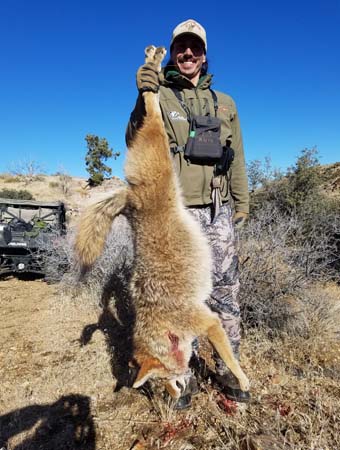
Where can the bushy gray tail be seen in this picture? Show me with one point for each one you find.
(95, 225)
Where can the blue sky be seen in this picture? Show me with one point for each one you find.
(67, 68)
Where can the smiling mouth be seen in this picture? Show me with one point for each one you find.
(187, 63)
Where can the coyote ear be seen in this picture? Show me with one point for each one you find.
(150, 366)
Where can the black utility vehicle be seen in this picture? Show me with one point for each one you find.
(26, 229)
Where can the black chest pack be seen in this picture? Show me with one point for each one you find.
(204, 141)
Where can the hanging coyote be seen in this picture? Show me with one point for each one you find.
(172, 270)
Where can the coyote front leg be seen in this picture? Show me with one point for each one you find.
(153, 55)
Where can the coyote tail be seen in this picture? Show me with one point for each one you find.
(95, 225)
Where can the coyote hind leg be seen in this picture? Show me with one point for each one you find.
(220, 341)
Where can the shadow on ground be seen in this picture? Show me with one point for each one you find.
(116, 322)
(64, 425)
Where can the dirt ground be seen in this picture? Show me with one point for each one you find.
(57, 394)
(47, 400)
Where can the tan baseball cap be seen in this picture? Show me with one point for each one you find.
(190, 27)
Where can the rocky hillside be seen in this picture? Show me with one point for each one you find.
(331, 175)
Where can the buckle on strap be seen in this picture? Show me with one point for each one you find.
(177, 149)
(216, 183)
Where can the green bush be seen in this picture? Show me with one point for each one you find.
(12, 179)
(294, 191)
(21, 194)
(291, 241)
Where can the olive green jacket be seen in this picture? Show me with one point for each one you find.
(195, 180)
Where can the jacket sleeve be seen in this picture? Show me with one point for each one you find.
(136, 119)
(238, 177)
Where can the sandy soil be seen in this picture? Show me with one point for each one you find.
(47, 399)
(57, 394)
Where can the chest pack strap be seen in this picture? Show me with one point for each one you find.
(182, 103)
(185, 107)
(216, 182)
(181, 148)
(214, 96)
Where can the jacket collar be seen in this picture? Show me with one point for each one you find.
(175, 79)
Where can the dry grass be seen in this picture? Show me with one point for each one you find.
(59, 394)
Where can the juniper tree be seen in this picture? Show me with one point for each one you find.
(98, 151)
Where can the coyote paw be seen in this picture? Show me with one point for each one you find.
(155, 55)
(244, 383)
(176, 386)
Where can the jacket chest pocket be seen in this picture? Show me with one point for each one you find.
(226, 117)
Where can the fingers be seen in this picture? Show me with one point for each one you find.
(239, 220)
(147, 78)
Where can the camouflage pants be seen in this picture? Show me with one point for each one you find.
(223, 299)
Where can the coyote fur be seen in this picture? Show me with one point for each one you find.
(172, 270)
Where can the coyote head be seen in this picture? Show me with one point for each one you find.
(169, 367)
(152, 368)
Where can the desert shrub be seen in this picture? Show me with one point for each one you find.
(56, 252)
(303, 183)
(21, 194)
(317, 314)
(8, 178)
(117, 260)
(53, 184)
(320, 232)
(267, 272)
(64, 182)
(27, 170)
(61, 264)
(282, 254)
(262, 173)
(291, 192)
(300, 194)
